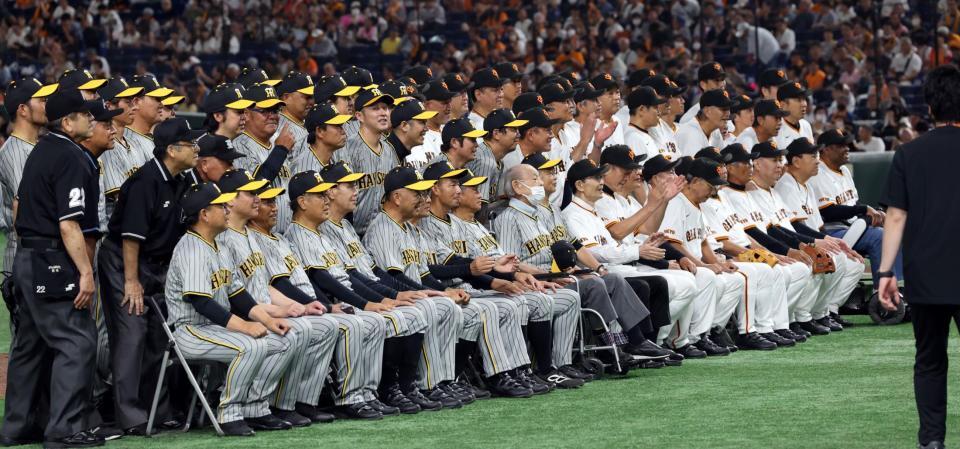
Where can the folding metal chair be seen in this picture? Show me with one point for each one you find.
(198, 392)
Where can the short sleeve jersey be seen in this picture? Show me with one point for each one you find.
(800, 200)
(197, 269)
(364, 158)
(245, 258)
(314, 252)
(834, 187)
(281, 260)
(683, 223)
(395, 246)
(744, 209)
(723, 223)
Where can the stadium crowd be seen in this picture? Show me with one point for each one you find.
(408, 197)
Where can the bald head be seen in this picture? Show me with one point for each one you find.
(523, 173)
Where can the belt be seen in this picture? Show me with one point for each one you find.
(40, 243)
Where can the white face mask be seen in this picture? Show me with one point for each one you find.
(536, 195)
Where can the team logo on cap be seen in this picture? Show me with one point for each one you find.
(592, 162)
(744, 98)
(346, 167)
(495, 74)
(430, 72)
(419, 176)
(264, 73)
(797, 85)
(34, 80)
(444, 84)
(317, 176)
(717, 67)
(237, 91)
(607, 77)
(457, 76)
(772, 143)
(376, 91)
(270, 92)
(630, 154)
(246, 173)
(781, 74)
(777, 102)
(719, 172)
(539, 99)
(515, 68)
(309, 80)
(839, 132)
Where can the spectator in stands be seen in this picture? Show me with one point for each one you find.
(867, 142)
(432, 12)
(786, 38)
(906, 64)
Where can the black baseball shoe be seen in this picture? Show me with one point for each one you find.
(932, 445)
(503, 385)
(292, 417)
(395, 398)
(455, 390)
(361, 410)
(559, 380)
(106, 432)
(753, 341)
(651, 364)
(647, 350)
(415, 396)
(795, 328)
(712, 349)
(313, 413)
(575, 373)
(238, 428)
(787, 333)
(386, 410)
(79, 439)
(477, 391)
(781, 341)
(829, 324)
(691, 352)
(840, 320)
(814, 328)
(268, 422)
(721, 337)
(531, 382)
(438, 394)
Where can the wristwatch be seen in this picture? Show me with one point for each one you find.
(885, 274)
(600, 269)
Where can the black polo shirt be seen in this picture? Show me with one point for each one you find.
(60, 182)
(148, 210)
(923, 182)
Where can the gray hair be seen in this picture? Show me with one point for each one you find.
(514, 173)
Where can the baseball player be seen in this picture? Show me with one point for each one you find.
(770, 81)
(361, 79)
(800, 199)
(741, 114)
(609, 103)
(325, 135)
(501, 126)
(215, 319)
(333, 89)
(147, 115)
(81, 80)
(265, 156)
(551, 314)
(582, 134)
(710, 76)
(436, 97)
(635, 79)
(794, 100)
(120, 164)
(438, 340)
(224, 107)
(168, 106)
(565, 146)
(460, 103)
(408, 126)
(400, 248)
(405, 322)
(397, 89)
(704, 131)
(248, 77)
(486, 94)
(644, 105)
(767, 119)
(512, 84)
(838, 200)
(535, 137)
(665, 134)
(296, 90)
(368, 151)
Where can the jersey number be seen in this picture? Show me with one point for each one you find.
(41, 289)
(76, 198)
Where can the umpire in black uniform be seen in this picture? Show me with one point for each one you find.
(133, 261)
(53, 271)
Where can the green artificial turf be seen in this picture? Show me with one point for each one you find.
(849, 390)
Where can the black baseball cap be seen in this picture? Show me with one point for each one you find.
(396, 89)
(64, 102)
(791, 90)
(735, 152)
(683, 165)
(707, 170)
(340, 172)
(173, 130)
(605, 82)
(332, 86)
(220, 147)
(509, 71)
(172, 100)
(564, 256)
(637, 77)
(554, 92)
(584, 91)
(264, 96)
(436, 90)
(663, 85)
(199, 196)
(741, 102)
(295, 82)
(226, 96)
(443, 170)
(713, 153)
(769, 107)
(527, 100)
(767, 149)
(583, 169)
(711, 71)
(621, 156)
(456, 82)
(116, 88)
(656, 165)
(323, 113)
(555, 79)
(307, 182)
(22, 90)
(102, 114)
(370, 97)
(835, 137)
(570, 75)
(240, 181)
(487, 77)
(458, 129)
(644, 96)
(151, 87)
(405, 178)
(772, 77)
(802, 145)
(540, 162)
(536, 118)
(249, 77)
(421, 74)
(357, 76)
(501, 118)
(411, 109)
(80, 80)
(717, 98)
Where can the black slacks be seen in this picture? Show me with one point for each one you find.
(931, 327)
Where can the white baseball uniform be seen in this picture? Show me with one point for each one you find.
(691, 138)
(788, 133)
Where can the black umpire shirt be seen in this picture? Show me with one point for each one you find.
(923, 182)
(61, 181)
(148, 210)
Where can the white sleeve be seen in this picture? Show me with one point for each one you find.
(673, 225)
(605, 251)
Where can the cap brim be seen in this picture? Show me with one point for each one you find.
(271, 193)
(338, 119)
(352, 177)
(224, 198)
(172, 100)
(379, 98)
(129, 92)
(475, 133)
(425, 115)
(159, 92)
(320, 188)
(549, 164)
(92, 84)
(306, 90)
(588, 95)
(269, 103)
(271, 83)
(108, 115)
(453, 173)
(347, 91)
(253, 186)
(516, 124)
(717, 181)
(420, 186)
(240, 104)
(45, 91)
(474, 181)
(398, 100)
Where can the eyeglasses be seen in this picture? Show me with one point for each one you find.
(266, 111)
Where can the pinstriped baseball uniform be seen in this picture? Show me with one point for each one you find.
(359, 349)
(307, 160)
(118, 164)
(299, 135)
(352, 127)
(363, 158)
(313, 338)
(256, 152)
(396, 247)
(197, 269)
(13, 156)
(141, 145)
(486, 164)
(439, 339)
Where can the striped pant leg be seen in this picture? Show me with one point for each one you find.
(539, 305)
(243, 354)
(352, 364)
(509, 311)
(395, 325)
(304, 379)
(733, 293)
(493, 353)
(376, 329)
(438, 354)
(103, 379)
(566, 315)
(281, 350)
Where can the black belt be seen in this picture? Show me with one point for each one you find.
(40, 243)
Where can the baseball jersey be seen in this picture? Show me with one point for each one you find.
(256, 153)
(522, 231)
(616, 138)
(395, 246)
(281, 260)
(13, 156)
(723, 223)
(314, 251)
(196, 268)
(773, 207)
(800, 201)
(623, 114)
(351, 127)
(299, 133)
(119, 164)
(475, 119)
(641, 142)
(486, 164)
(747, 138)
(563, 150)
(585, 225)
(308, 160)
(834, 187)
(428, 151)
(362, 157)
(745, 209)
(345, 241)
(691, 138)
(683, 223)
(788, 133)
(691, 113)
(665, 135)
(245, 258)
(140, 144)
